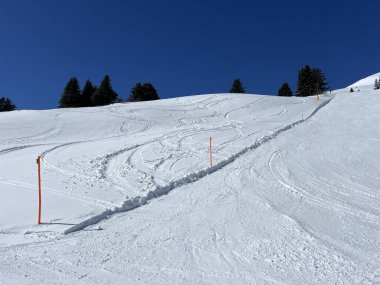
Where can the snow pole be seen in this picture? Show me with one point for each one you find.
(210, 151)
(39, 188)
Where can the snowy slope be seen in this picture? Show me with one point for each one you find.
(367, 82)
(292, 196)
(96, 159)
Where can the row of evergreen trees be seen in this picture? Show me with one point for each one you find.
(73, 97)
(91, 95)
(237, 87)
(311, 81)
(6, 105)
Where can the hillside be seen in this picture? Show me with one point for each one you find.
(292, 195)
(367, 83)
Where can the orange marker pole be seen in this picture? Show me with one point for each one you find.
(39, 188)
(210, 151)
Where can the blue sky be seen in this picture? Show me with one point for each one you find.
(182, 47)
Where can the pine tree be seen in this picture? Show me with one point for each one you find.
(311, 81)
(285, 90)
(351, 90)
(305, 82)
(104, 95)
(143, 92)
(319, 81)
(6, 105)
(71, 94)
(377, 84)
(150, 93)
(87, 92)
(137, 93)
(237, 87)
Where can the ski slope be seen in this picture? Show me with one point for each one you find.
(129, 196)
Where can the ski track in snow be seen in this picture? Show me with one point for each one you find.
(152, 188)
(159, 191)
(173, 140)
(272, 210)
(112, 166)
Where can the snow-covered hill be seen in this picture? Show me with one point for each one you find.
(367, 82)
(292, 195)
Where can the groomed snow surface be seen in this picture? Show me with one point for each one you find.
(129, 196)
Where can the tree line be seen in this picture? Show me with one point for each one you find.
(91, 95)
(311, 81)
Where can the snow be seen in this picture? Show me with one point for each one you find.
(366, 82)
(129, 196)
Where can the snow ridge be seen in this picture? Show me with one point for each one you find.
(159, 191)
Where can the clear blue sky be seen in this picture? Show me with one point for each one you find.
(182, 47)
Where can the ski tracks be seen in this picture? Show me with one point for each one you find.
(159, 191)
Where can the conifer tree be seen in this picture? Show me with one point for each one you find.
(143, 92)
(71, 94)
(351, 90)
(311, 81)
(237, 87)
(377, 84)
(305, 82)
(6, 105)
(285, 90)
(137, 93)
(150, 93)
(87, 92)
(319, 81)
(104, 95)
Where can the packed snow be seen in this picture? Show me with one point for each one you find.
(130, 197)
